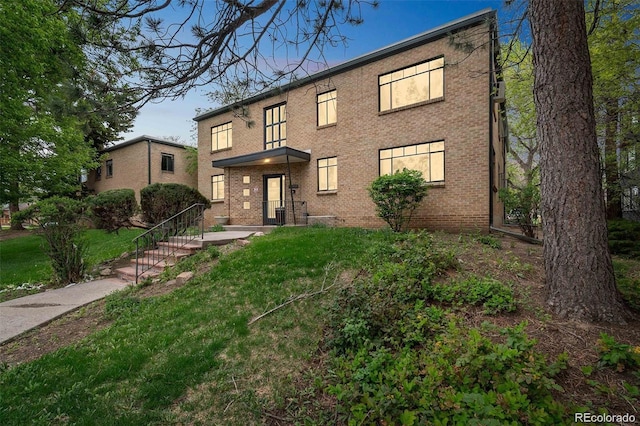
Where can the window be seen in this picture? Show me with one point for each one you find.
(109, 168)
(425, 157)
(275, 126)
(167, 162)
(217, 187)
(327, 108)
(221, 137)
(412, 85)
(99, 173)
(328, 174)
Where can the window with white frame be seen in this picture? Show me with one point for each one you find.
(221, 136)
(328, 174)
(217, 187)
(428, 158)
(412, 85)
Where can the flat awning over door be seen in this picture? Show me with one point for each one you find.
(281, 155)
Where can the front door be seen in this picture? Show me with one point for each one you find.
(273, 212)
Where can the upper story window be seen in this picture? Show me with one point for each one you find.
(221, 136)
(425, 157)
(328, 174)
(327, 108)
(275, 126)
(167, 162)
(109, 165)
(412, 85)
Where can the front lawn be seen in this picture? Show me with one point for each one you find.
(359, 327)
(23, 261)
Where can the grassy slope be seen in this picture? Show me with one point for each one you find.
(146, 367)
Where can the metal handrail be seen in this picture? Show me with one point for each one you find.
(176, 228)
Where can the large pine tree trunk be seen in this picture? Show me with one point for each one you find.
(579, 272)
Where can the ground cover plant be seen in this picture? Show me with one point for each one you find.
(26, 268)
(329, 326)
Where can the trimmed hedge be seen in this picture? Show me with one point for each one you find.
(160, 201)
(113, 209)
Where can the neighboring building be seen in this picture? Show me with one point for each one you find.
(139, 162)
(307, 151)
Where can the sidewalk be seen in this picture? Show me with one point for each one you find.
(25, 313)
(20, 315)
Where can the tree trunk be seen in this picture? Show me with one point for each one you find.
(579, 273)
(612, 177)
(14, 207)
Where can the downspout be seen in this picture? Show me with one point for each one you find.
(491, 118)
(293, 204)
(148, 162)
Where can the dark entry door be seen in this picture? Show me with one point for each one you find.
(273, 205)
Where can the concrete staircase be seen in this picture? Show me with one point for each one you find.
(166, 255)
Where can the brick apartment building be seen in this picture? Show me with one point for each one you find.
(139, 162)
(307, 151)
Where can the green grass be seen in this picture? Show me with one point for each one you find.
(22, 259)
(142, 368)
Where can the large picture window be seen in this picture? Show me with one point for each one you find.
(327, 108)
(425, 157)
(221, 137)
(275, 126)
(217, 187)
(328, 174)
(412, 85)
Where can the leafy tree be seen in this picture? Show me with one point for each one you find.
(614, 46)
(40, 152)
(58, 222)
(397, 196)
(579, 272)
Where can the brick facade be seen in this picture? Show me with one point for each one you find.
(132, 160)
(466, 120)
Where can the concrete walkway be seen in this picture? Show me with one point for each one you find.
(20, 315)
(25, 313)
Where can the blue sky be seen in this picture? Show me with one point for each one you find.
(391, 21)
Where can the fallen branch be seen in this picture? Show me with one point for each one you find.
(302, 296)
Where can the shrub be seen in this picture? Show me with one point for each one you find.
(397, 196)
(112, 210)
(160, 201)
(523, 204)
(58, 218)
(624, 237)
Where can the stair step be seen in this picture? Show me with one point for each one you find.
(167, 252)
(128, 273)
(153, 262)
(191, 248)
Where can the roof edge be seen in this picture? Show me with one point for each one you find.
(402, 45)
(144, 138)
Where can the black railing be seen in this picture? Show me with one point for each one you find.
(284, 212)
(175, 232)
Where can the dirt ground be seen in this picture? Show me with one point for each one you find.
(518, 262)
